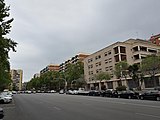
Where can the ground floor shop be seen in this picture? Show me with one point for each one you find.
(148, 82)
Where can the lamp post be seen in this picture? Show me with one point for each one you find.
(65, 84)
(72, 82)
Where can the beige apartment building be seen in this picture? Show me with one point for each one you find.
(132, 51)
(17, 77)
(77, 58)
(50, 67)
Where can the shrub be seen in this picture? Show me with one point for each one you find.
(121, 88)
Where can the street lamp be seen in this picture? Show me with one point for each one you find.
(72, 82)
(65, 85)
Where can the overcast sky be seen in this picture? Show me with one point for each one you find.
(52, 31)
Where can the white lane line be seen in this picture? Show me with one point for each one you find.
(148, 115)
(133, 104)
(57, 108)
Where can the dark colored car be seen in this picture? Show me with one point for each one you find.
(150, 95)
(94, 93)
(1, 113)
(109, 93)
(128, 94)
(157, 88)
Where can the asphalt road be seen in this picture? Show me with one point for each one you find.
(68, 107)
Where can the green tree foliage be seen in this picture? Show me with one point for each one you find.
(151, 66)
(56, 80)
(103, 76)
(74, 71)
(121, 69)
(47, 81)
(6, 44)
(133, 71)
(121, 88)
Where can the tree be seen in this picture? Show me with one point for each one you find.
(133, 71)
(6, 44)
(74, 71)
(151, 66)
(121, 70)
(80, 82)
(103, 76)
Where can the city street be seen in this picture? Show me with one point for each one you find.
(72, 107)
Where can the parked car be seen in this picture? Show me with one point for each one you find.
(157, 88)
(1, 113)
(150, 95)
(61, 92)
(5, 99)
(70, 92)
(14, 92)
(83, 92)
(128, 94)
(53, 91)
(8, 94)
(94, 93)
(109, 93)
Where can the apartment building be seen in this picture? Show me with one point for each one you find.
(37, 75)
(73, 60)
(155, 39)
(132, 51)
(51, 67)
(16, 77)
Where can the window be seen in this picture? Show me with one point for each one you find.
(106, 61)
(105, 54)
(122, 49)
(116, 50)
(97, 71)
(123, 57)
(90, 72)
(110, 60)
(136, 57)
(106, 68)
(90, 66)
(90, 60)
(135, 49)
(143, 48)
(110, 67)
(152, 51)
(109, 52)
(98, 57)
(116, 58)
(98, 64)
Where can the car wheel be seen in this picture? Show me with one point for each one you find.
(129, 97)
(2, 101)
(141, 97)
(158, 98)
(119, 96)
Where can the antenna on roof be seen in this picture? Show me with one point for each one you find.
(137, 34)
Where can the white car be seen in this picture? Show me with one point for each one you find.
(53, 91)
(61, 92)
(75, 92)
(5, 98)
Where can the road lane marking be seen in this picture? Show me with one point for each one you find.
(133, 104)
(148, 115)
(57, 108)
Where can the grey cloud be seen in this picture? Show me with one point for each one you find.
(52, 31)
